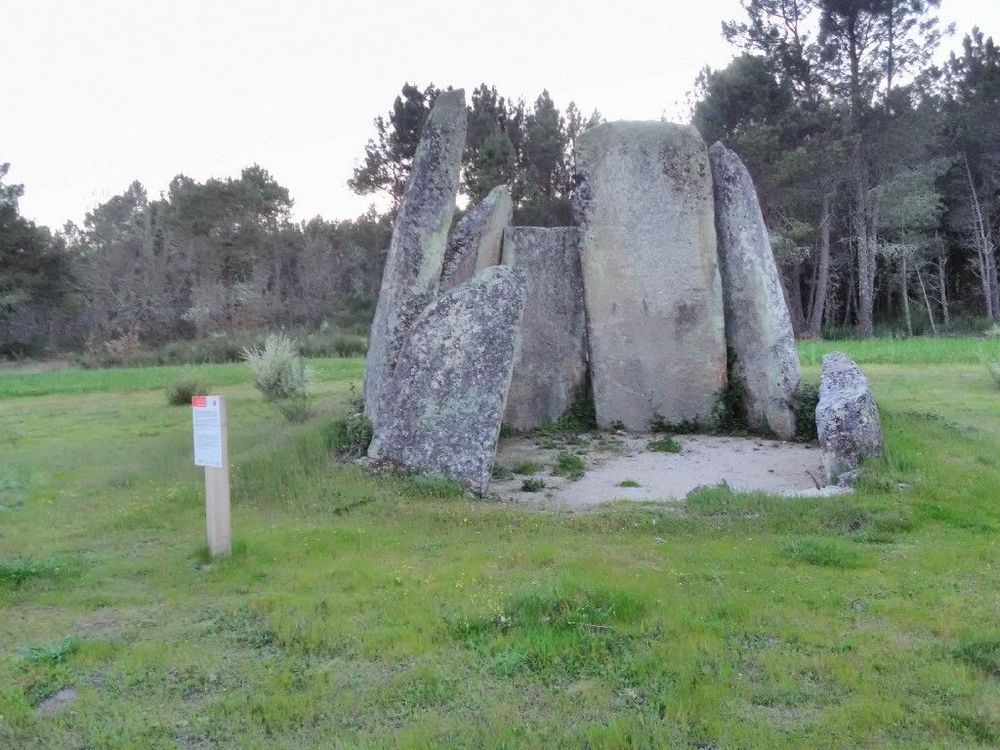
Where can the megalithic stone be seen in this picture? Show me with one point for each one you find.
(550, 365)
(413, 265)
(847, 418)
(651, 276)
(758, 328)
(446, 403)
(475, 243)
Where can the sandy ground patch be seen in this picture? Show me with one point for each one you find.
(745, 464)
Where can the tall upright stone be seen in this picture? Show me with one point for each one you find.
(413, 265)
(847, 419)
(758, 328)
(475, 244)
(550, 364)
(651, 276)
(446, 403)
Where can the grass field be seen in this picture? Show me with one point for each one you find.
(383, 612)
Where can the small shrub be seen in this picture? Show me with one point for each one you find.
(664, 445)
(569, 465)
(351, 436)
(527, 467)
(629, 483)
(804, 402)
(533, 484)
(180, 393)
(827, 553)
(279, 372)
(983, 653)
(51, 652)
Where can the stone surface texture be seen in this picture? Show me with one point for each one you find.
(476, 242)
(413, 265)
(550, 364)
(651, 277)
(444, 409)
(759, 334)
(847, 418)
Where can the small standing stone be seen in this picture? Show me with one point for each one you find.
(446, 403)
(550, 365)
(413, 266)
(758, 327)
(475, 244)
(847, 418)
(651, 274)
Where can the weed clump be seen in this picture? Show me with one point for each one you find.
(664, 445)
(527, 467)
(14, 573)
(569, 465)
(51, 652)
(827, 553)
(351, 436)
(982, 653)
(629, 483)
(181, 392)
(532, 484)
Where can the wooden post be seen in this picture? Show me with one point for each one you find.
(212, 452)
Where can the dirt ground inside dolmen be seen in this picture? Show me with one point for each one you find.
(625, 466)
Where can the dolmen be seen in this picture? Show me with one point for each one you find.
(664, 294)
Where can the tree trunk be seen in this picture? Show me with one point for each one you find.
(793, 295)
(987, 260)
(866, 261)
(942, 261)
(823, 269)
(906, 297)
(927, 300)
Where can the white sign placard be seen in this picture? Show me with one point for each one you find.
(207, 420)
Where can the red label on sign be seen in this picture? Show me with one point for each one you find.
(199, 401)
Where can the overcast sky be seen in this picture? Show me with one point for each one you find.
(96, 94)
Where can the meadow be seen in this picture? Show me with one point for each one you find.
(369, 612)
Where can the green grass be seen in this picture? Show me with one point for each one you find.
(126, 379)
(377, 611)
(910, 351)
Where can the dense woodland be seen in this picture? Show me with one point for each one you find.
(878, 174)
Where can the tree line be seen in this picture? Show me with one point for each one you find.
(215, 257)
(878, 171)
(878, 174)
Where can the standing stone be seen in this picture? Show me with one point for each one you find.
(475, 243)
(550, 364)
(444, 409)
(651, 275)
(847, 418)
(413, 266)
(758, 327)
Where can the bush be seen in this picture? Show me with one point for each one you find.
(280, 374)
(180, 393)
(533, 484)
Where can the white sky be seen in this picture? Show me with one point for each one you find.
(97, 93)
